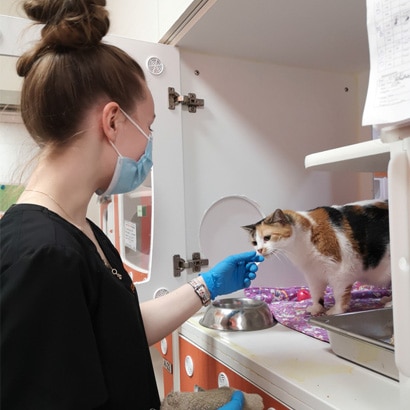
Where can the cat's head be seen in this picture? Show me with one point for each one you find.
(271, 233)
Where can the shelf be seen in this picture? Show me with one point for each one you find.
(368, 156)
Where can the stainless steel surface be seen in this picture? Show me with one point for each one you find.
(238, 314)
(363, 338)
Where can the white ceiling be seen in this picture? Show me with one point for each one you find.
(328, 35)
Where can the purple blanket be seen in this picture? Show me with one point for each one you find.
(288, 305)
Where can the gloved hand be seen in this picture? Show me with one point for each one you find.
(233, 273)
(236, 403)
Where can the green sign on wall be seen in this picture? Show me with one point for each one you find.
(9, 195)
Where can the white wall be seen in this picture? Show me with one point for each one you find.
(145, 20)
(129, 18)
(134, 18)
(16, 148)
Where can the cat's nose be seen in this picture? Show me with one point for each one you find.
(260, 250)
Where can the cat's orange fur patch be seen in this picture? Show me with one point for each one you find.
(349, 232)
(297, 217)
(347, 295)
(323, 235)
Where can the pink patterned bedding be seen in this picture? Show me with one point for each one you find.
(288, 305)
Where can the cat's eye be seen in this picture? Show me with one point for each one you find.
(254, 243)
(266, 238)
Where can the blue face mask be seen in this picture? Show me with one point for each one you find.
(129, 173)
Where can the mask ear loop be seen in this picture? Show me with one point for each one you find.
(115, 148)
(135, 124)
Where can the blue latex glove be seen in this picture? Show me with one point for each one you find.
(236, 403)
(233, 273)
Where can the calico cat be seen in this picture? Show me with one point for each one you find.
(331, 245)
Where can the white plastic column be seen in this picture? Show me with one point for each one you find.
(399, 214)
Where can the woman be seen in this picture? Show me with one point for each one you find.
(73, 335)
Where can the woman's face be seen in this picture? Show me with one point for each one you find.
(131, 142)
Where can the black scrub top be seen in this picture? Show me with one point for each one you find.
(72, 335)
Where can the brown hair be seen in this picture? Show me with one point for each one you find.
(70, 68)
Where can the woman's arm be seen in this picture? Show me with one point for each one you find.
(163, 315)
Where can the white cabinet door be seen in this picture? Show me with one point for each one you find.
(162, 69)
(168, 232)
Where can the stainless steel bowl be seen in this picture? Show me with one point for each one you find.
(238, 314)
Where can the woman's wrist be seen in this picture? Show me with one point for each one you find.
(201, 290)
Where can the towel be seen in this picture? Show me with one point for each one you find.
(208, 400)
(290, 310)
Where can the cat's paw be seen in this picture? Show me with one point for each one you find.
(315, 309)
(335, 310)
(387, 301)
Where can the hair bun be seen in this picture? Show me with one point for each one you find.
(69, 23)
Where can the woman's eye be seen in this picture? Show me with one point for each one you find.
(266, 238)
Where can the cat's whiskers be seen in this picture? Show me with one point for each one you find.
(279, 254)
(282, 254)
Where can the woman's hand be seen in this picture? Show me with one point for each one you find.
(233, 273)
(236, 403)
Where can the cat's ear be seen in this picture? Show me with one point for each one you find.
(249, 228)
(277, 217)
(252, 228)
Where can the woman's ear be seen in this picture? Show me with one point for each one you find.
(110, 120)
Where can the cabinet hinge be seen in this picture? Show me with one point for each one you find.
(195, 264)
(189, 100)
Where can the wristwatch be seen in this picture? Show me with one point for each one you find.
(201, 290)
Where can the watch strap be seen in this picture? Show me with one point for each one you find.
(201, 290)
